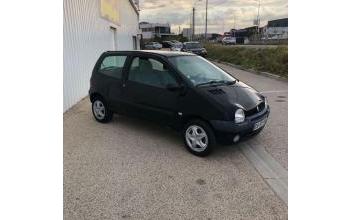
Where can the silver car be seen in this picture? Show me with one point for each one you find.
(229, 40)
(153, 46)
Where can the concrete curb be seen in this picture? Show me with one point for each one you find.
(270, 170)
(270, 75)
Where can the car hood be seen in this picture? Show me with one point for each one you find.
(196, 49)
(229, 96)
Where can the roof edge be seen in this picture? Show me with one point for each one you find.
(134, 7)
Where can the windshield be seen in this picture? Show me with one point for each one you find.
(192, 45)
(200, 71)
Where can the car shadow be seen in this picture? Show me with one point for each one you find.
(166, 134)
(150, 128)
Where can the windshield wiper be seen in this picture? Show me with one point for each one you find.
(212, 82)
(231, 82)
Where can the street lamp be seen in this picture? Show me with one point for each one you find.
(206, 17)
(193, 17)
(258, 19)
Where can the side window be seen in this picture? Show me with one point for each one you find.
(112, 66)
(157, 65)
(151, 72)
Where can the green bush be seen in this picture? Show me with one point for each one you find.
(267, 59)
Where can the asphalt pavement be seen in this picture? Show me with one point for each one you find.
(135, 169)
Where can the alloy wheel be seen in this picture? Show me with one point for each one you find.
(196, 138)
(99, 109)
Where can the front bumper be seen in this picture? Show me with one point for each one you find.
(230, 128)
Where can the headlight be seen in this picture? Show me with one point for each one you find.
(239, 116)
(266, 102)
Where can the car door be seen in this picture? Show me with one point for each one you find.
(145, 89)
(112, 68)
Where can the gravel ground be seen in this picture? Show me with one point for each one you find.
(134, 169)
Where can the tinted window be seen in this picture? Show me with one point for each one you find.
(112, 66)
(150, 72)
(166, 44)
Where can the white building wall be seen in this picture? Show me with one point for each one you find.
(86, 35)
(276, 33)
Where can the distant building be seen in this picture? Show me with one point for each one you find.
(243, 36)
(151, 30)
(210, 36)
(187, 32)
(228, 34)
(213, 36)
(276, 29)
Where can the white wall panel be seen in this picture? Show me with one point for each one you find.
(86, 35)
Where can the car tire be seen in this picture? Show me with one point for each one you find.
(100, 110)
(199, 138)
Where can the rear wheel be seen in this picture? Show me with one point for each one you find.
(199, 138)
(100, 110)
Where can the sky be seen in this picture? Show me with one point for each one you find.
(222, 14)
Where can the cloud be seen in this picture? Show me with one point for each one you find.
(222, 14)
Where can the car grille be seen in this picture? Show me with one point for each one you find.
(255, 110)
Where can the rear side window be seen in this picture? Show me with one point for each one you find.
(112, 66)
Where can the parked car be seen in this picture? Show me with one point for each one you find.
(178, 89)
(194, 47)
(228, 40)
(167, 45)
(153, 46)
(177, 46)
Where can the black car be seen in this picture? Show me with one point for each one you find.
(180, 90)
(194, 47)
(167, 44)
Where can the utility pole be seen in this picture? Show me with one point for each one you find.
(206, 20)
(258, 18)
(190, 28)
(193, 11)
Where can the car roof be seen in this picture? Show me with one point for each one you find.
(152, 52)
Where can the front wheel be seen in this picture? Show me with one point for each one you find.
(101, 111)
(199, 138)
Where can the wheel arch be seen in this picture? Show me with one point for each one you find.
(95, 95)
(189, 118)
